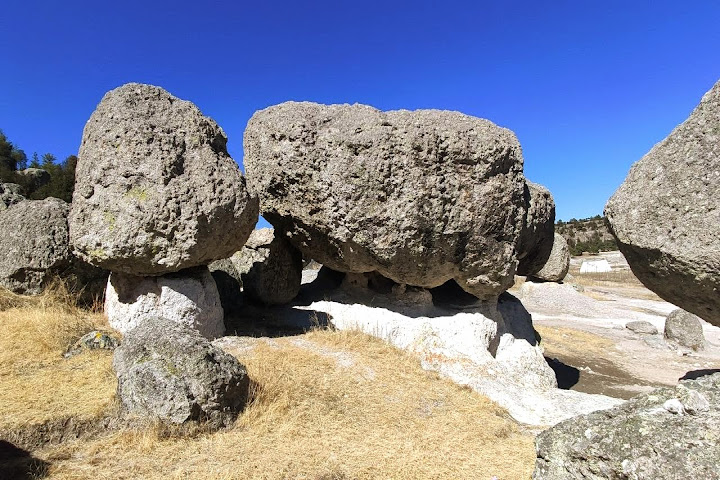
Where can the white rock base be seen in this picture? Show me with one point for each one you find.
(188, 297)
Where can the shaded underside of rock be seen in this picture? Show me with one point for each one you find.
(536, 237)
(156, 190)
(421, 197)
(558, 262)
(665, 215)
(270, 268)
(189, 297)
(669, 433)
(168, 371)
(229, 284)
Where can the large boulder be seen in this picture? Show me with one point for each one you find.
(558, 263)
(665, 215)
(156, 190)
(421, 197)
(684, 329)
(536, 237)
(270, 268)
(189, 298)
(168, 371)
(669, 433)
(10, 194)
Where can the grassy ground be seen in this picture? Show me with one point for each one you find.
(326, 405)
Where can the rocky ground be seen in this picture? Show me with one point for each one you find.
(582, 322)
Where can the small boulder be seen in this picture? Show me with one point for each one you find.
(156, 190)
(642, 327)
(168, 371)
(669, 433)
(189, 298)
(10, 194)
(684, 329)
(34, 178)
(536, 239)
(557, 264)
(270, 267)
(95, 340)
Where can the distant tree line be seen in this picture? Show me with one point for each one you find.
(62, 174)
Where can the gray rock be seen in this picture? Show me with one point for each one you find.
(229, 284)
(665, 215)
(684, 329)
(94, 340)
(156, 190)
(270, 267)
(34, 244)
(35, 178)
(189, 298)
(10, 194)
(168, 371)
(536, 238)
(641, 439)
(642, 327)
(558, 263)
(421, 197)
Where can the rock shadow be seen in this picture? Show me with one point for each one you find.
(19, 464)
(567, 376)
(695, 374)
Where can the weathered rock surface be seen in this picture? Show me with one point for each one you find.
(665, 215)
(189, 298)
(684, 329)
(156, 190)
(33, 245)
(10, 194)
(421, 197)
(95, 340)
(168, 371)
(558, 263)
(670, 433)
(536, 239)
(270, 268)
(642, 327)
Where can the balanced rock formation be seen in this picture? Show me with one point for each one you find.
(665, 215)
(558, 263)
(10, 194)
(189, 297)
(156, 190)
(684, 330)
(421, 197)
(270, 268)
(167, 370)
(667, 434)
(536, 238)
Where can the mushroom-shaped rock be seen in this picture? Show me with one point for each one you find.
(189, 298)
(167, 370)
(665, 215)
(156, 190)
(536, 238)
(421, 197)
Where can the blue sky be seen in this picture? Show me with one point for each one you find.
(588, 86)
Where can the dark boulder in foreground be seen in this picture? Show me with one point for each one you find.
(667, 434)
(421, 197)
(169, 371)
(666, 215)
(156, 190)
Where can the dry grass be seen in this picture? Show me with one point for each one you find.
(37, 385)
(571, 342)
(328, 405)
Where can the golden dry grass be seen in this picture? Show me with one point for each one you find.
(571, 342)
(37, 384)
(333, 406)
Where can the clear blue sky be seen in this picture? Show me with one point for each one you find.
(587, 86)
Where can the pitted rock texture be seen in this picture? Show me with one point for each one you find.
(665, 215)
(189, 297)
(558, 263)
(270, 268)
(684, 329)
(667, 434)
(156, 190)
(10, 194)
(536, 238)
(168, 371)
(421, 197)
